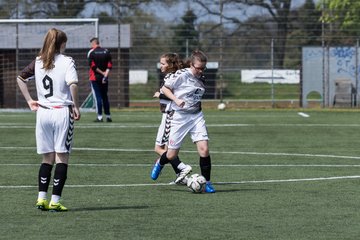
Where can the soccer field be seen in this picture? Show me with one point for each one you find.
(278, 175)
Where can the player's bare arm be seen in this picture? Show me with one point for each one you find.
(75, 98)
(99, 71)
(168, 93)
(25, 91)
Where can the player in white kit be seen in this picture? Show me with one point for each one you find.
(169, 64)
(56, 109)
(185, 89)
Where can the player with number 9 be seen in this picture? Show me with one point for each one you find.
(56, 109)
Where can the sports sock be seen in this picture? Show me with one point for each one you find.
(44, 177)
(59, 178)
(205, 166)
(175, 163)
(55, 198)
(42, 195)
(181, 166)
(163, 159)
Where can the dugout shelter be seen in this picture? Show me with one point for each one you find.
(333, 73)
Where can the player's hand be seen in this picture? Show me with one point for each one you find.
(34, 105)
(76, 113)
(180, 103)
(156, 95)
(104, 80)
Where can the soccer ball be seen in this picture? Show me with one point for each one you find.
(196, 183)
(221, 106)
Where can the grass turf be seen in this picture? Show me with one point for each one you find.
(277, 175)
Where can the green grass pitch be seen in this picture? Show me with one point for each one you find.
(278, 175)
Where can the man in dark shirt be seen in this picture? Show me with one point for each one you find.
(100, 65)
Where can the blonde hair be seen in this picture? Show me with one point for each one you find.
(53, 40)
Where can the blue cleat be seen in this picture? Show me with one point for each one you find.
(209, 187)
(156, 170)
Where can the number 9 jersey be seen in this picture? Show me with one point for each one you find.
(52, 85)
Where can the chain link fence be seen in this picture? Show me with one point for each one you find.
(249, 65)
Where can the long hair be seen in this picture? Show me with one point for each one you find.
(174, 61)
(53, 40)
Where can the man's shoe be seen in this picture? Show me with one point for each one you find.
(183, 174)
(209, 187)
(42, 204)
(108, 119)
(98, 120)
(155, 172)
(57, 207)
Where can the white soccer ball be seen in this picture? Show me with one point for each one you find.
(221, 106)
(196, 183)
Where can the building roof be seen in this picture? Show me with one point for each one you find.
(79, 34)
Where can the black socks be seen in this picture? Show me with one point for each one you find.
(205, 166)
(175, 163)
(59, 178)
(44, 177)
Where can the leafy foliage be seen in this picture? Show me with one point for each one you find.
(344, 12)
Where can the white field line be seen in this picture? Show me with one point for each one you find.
(115, 125)
(215, 183)
(212, 152)
(292, 180)
(214, 165)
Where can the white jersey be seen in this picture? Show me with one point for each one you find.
(53, 85)
(166, 102)
(187, 87)
(54, 118)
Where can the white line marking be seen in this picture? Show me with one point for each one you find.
(292, 180)
(114, 125)
(213, 152)
(303, 114)
(215, 183)
(214, 165)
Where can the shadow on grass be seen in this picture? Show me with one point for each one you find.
(108, 208)
(219, 190)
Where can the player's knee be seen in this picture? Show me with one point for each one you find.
(204, 152)
(159, 149)
(171, 155)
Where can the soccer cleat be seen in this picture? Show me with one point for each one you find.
(108, 119)
(42, 204)
(98, 120)
(155, 172)
(57, 207)
(209, 188)
(183, 174)
(182, 182)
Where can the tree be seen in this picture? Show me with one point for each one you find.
(186, 36)
(52, 8)
(277, 10)
(308, 21)
(68, 8)
(304, 30)
(8, 9)
(345, 12)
